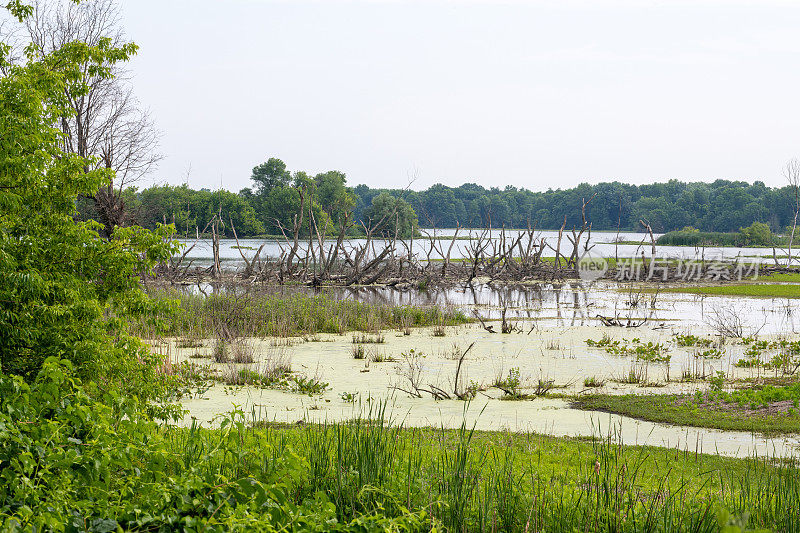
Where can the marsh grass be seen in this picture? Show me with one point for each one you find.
(242, 351)
(358, 351)
(742, 411)
(636, 375)
(382, 357)
(468, 480)
(189, 342)
(273, 373)
(233, 314)
(369, 338)
(753, 290)
(593, 382)
(221, 351)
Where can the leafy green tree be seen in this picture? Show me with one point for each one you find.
(332, 195)
(63, 288)
(271, 174)
(388, 213)
(757, 234)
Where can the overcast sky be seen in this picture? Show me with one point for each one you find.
(534, 94)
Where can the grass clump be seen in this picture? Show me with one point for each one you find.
(650, 351)
(511, 385)
(382, 357)
(367, 338)
(359, 352)
(593, 382)
(278, 376)
(690, 340)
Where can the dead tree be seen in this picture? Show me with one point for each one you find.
(476, 250)
(575, 238)
(297, 226)
(792, 174)
(107, 122)
(249, 264)
(650, 233)
(216, 267)
(557, 249)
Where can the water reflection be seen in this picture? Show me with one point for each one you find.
(570, 303)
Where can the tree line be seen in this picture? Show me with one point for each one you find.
(722, 205)
(273, 201)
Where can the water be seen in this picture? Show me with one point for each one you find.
(553, 322)
(576, 303)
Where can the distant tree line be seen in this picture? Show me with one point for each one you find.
(723, 205)
(270, 206)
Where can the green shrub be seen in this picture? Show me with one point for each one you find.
(69, 462)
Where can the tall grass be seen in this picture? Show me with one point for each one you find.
(232, 315)
(700, 238)
(471, 481)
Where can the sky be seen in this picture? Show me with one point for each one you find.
(534, 94)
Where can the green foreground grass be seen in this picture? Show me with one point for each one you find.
(497, 481)
(70, 462)
(749, 410)
(756, 290)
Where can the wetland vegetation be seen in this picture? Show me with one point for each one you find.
(362, 376)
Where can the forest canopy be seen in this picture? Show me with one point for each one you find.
(273, 200)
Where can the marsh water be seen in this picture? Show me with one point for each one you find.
(552, 322)
(541, 305)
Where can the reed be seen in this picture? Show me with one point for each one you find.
(232, 315)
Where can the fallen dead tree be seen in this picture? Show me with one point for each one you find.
(315, 256)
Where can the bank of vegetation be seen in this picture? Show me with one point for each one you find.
(760, 289)
(280, 314)
(755, 235)
(770, 411)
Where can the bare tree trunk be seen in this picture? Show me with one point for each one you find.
(792, 174)
(216, 269)
(652, 239)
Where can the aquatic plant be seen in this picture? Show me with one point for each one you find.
(689, 340)
(592, 382)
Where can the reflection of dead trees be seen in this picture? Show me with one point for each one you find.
(641, 309)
